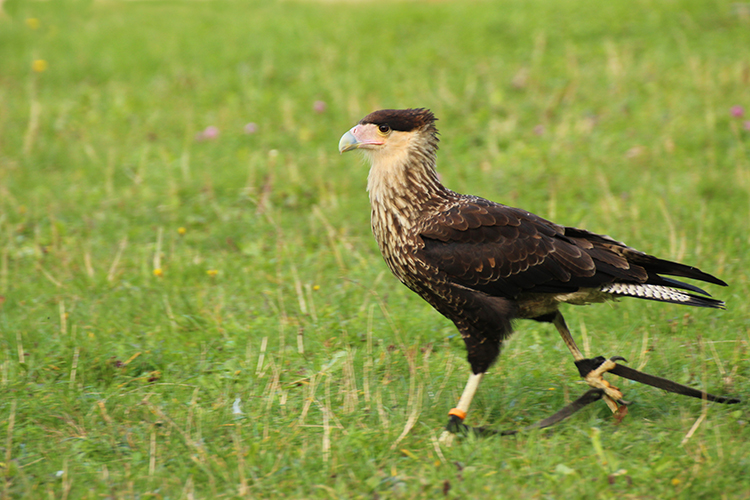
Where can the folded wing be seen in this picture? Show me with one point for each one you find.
(504, 251)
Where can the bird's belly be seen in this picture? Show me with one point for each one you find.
(534, 305)
(583, 296)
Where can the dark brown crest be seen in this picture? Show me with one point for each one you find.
(404, 120)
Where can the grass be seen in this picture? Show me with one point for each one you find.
(184, 318)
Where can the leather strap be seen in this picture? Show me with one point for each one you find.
(455, 425)
(668, 385)
(589, 397)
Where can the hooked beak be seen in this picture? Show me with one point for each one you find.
(360, 137)
(348, 142)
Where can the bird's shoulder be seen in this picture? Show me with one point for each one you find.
(475, 220)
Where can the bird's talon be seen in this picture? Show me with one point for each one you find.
(618, 358)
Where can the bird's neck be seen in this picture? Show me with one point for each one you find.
(405, 182)
(403, 188)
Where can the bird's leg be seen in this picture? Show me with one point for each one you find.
(591, 369)
(559, 323)
(458, 414)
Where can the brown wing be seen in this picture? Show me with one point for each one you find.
(504, 251)
(653, 265)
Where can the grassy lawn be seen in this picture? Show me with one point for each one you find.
(192, 304)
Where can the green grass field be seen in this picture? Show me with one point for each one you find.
(192, 314)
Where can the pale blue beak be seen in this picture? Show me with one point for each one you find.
(348, 142)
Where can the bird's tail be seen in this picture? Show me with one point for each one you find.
(663, 293)
(654, 265)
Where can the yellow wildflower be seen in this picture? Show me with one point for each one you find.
(158, 272)
(212, 272)
(181, 231)
(39, 65)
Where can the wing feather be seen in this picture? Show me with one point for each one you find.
(504, 251)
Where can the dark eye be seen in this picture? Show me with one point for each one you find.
(384, 129)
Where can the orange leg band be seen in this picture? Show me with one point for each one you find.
(458, 413)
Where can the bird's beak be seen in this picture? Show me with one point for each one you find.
(348, 141)
(360, 137)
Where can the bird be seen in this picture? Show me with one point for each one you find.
(484, 265)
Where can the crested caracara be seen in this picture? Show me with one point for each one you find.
(483, 265)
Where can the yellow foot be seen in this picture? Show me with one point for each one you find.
(594, 377)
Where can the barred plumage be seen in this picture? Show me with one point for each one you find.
(654, 292)
(660, 293)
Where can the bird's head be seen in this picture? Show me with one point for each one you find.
(391, 133)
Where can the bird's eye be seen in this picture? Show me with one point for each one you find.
(384, 129)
